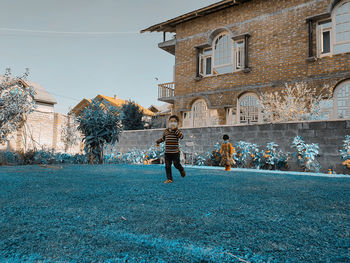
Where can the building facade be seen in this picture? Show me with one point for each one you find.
(228, 53)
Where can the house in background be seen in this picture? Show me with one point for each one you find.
(114, 101)
(44, 100)
(162, 114)
(229, 52)
(42, 128)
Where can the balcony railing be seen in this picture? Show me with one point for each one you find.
(166, 92)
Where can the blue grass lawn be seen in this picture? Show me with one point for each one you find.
(124, 213)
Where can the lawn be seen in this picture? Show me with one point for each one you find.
(123, 213)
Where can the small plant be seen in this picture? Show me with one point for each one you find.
(27, 157)
(306, 154)
(274, 158)
(214, 156)
(8, 158)
(345, 152)
(247, 155)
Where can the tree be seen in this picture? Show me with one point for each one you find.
(70, 133)
(132, 116)
(294, 103)
(16, 102)
(100, 124)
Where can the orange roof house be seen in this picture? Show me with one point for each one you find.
(114, 101)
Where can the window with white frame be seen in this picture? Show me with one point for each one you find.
(341, 23)
(324, 29)
(230, 116)
(333, 35)
(200, 113)
(341, 99)
(223, 53)
(248, 108)
(224, 56)
(205, 62)
(239, 54)
(187, 119)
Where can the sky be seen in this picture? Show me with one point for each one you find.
(70, 50)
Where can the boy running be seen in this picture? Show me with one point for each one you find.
(171, 138)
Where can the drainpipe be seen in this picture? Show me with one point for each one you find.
(197, 63)
(246, 61)
(311, 54)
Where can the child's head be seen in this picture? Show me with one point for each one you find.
(225, 137)
(173, 122)
(173, 118)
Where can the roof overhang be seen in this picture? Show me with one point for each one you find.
(170, 25)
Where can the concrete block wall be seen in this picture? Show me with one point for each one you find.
(328, 134)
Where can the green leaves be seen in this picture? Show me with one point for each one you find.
(100, 124)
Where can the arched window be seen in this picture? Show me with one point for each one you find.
(333, 33)
(222, 46)
(341, 98)
(200, 113)
(248, 109)
(341, 25)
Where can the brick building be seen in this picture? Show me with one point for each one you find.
(227, 53)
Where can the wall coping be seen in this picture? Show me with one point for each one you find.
(241, 125)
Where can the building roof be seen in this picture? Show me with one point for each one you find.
(41, 95)
(112, 100)
(164, 109)
(170, 25)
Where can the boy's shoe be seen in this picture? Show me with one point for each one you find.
(168, 181)
(183, 173)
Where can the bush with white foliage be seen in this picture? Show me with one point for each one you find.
(306, 154)
(293, 103)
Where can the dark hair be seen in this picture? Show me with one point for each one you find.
(174, 117)
(225, 137)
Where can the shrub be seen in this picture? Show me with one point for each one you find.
(306, 154)
(274, 158)
(345, 152)
(9, 158)
(27, 157)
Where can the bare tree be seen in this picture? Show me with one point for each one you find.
(294, 103)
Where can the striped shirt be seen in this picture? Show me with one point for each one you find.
(171, 139)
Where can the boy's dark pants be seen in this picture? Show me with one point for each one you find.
(169, 159)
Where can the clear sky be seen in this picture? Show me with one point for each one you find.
(81, 65)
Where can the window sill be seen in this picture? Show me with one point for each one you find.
(311, 59)
(245, 70)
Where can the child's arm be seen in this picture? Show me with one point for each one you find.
(222, 148)
(161, 139)
(179, 134)
(232, 150)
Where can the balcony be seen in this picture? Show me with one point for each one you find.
(166, 92)
(168, 46)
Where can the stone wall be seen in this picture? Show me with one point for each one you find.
(42, 130)
(277, 50)
(328, 134)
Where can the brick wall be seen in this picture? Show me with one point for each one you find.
(278, 51)
(328, 134)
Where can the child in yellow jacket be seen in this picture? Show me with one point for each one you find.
(226, 152)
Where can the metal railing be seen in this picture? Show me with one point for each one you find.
(166, 90)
